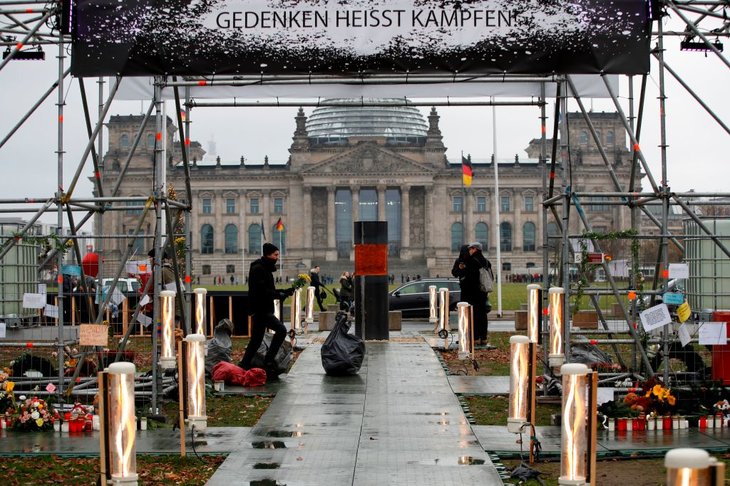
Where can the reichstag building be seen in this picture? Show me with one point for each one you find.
(347, 164)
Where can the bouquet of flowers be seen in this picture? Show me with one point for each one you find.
(302, 280)
(652, 398)
(33, 415)
(7, 399)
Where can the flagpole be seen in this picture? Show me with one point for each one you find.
(498, 231)
(463, 202)
(281, 265)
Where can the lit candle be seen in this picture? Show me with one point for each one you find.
(309, 310)
(573, 461)
(463, 310)
(200, 311)
(556, 356)
(167, 337)
(195, 379)
(534, 297)
(432, 304)
(444, 309)
(296, 305)
(518, 383)
(122, 423)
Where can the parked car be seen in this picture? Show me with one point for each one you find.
(411, 298)
(125, 285)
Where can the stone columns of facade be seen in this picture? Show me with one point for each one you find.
(331, 244)
(355, 192)
(405, 200)
(308, 223)
(194, 242)
(428, 226)
(242, 230)
(381, 203)
(538, 220)
(219, 239)
(267, 214)
(468, 216)
(517, 236)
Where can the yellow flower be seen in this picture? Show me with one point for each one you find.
(9, 386)
(657, 390)
(39, 422)
(671, 400)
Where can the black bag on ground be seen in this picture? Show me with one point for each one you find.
(342, 353)
(283, 356)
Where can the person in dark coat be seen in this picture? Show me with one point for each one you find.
(466, 268)
(261, 296)
(347, 290)
(319, 291)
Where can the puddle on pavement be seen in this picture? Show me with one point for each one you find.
(267, 465)
(284, 433)
(268, 444)
(470, 461)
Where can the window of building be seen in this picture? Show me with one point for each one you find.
(151, 141)
(138, 245)
(457, 236)
(134, 208)
(278, 205)
(368, 204)
(481, 233)
(505, 237)
(207, 205)
(392, 216)
(506, 267)
(598, 136)
(230, 269)
(583, 137)
(206, 239)
(598, 204)
(231, 243)
(481, 204)
(553, 236)
(230, 205)
(253, 207)
(504, 204)
(124, 141)
(610, 138)
(254, 239)
(528, 236)
(530, 265)
(529, 203)
(206, 269)
(343, 222)
(457, 204)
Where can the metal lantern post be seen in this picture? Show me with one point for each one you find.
(443, 324)
(556, 356)
(466, 330)
(433, 306)
(519, 383)
(578, 426)
(534, 312)
(194, 372)
(296, 305)
(688, 467)
(309, 312)
(119, 430)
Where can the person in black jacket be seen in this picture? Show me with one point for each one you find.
(319, 291)
(466, 268)
(261, 296)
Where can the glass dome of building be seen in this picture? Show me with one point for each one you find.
(385, 117)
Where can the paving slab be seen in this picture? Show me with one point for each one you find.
(479, 385)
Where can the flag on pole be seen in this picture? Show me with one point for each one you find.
(466, 171)
(279, 225)
(263, 231)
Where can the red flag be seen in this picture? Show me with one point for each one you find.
(466, 171)
(279, 225)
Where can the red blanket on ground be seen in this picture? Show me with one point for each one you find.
(235, 375)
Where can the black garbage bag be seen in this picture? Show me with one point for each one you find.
(588, 354)
(283, 356)
(221, 346)
(342, 353)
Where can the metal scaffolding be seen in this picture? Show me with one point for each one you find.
(32, 26)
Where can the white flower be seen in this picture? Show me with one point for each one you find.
(21, 397)
(35, 415)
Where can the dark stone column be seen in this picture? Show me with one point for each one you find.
(371, 279)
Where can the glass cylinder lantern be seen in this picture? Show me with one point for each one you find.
(167, 336)
(519, 376)
(199, 327)
(687, 467)
(432, 304)
(122, 424)
(277, 309)
(464, 314)
(534, 298)
(574, 435)
(195, 381)
(309, 312)
(444, 309)
(296, 305)
(556, 356)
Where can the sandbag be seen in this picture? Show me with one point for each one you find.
(342, 353)
(283, 356)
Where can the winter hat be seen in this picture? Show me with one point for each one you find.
(269, 249)
(476, 245)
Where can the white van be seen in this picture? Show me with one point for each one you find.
(125, 285)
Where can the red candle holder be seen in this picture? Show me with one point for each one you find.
(621, 424)
(638, 423)
(667, 423)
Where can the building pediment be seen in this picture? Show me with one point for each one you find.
(368, 160)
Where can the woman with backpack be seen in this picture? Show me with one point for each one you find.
(473, 270)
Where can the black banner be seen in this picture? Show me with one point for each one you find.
(346, 37)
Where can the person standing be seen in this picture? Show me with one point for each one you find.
(347, 290)
(319, 291)
(466, 268)
(261, 295)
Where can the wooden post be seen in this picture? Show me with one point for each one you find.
(531, 397)
(104, 465)
(73, 310)
(125, 316)
(181, 388)
(230, 307)
(592, 426)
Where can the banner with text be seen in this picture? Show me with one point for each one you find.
(352, 37)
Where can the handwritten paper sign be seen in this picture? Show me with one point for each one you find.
(51, 310)
(93, 335)
(684, 311)
(34, 301)
(713, 333)
(144, 300)
(684, 336)
(678, 270)
(42, 288)
(655, 317)
(117, 296)
(144, 320)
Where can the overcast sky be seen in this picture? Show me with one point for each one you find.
(697, 156)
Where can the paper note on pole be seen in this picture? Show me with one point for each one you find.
(144, 320)
(34, 301)
(93, 334)
(655, 317)
(604, 394)
(684, 336)
(51, 310)
(42, 289)
(145, 300)
(678, 270)
(117, 296)
(713, 333)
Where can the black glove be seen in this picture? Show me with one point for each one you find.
(287, 292)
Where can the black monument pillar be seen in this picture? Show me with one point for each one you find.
(371, 279)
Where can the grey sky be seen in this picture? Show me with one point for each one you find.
(696, 155)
